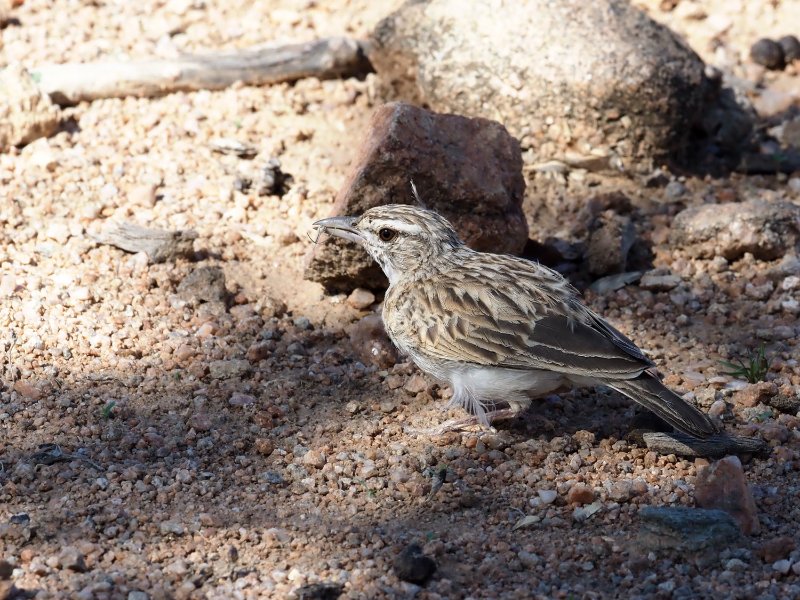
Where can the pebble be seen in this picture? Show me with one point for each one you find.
(548, 496)
(315, 459)
(782, 566)
(229, 369)
(302, 323)
(361, 299)
(767, 53)
(776, 549)
(415, 384)
(413, 566)
(172, 527)
(791, 47)
(717, 408)
(240, 399)
(723, 485)
(72, 559)
(580, 493)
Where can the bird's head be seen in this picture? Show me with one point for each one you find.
(400, 238)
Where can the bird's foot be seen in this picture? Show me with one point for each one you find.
(473, 421)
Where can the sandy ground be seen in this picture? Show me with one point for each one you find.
(243, 450)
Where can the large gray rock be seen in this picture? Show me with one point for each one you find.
(566, 75)
(767, 230)
(467, 170)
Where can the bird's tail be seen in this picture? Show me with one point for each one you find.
(648, 391)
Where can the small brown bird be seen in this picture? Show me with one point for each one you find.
(498, 328)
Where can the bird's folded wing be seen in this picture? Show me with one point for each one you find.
(482, 325)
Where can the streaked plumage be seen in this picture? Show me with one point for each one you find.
(498, 328)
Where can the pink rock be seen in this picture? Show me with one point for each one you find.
(468, 170)
(240, 399)
(723, 485)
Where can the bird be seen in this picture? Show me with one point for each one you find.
(499, 329)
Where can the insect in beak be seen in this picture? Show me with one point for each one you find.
(343, 227)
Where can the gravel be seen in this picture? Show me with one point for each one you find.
(156, 485)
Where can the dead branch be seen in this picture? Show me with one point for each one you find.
(713, 447)
(69, 84)
(159, 245)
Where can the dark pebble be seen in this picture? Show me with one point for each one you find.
(6, 569)
(318, 591)
(791, 47)
(767, 53)
(413, 566)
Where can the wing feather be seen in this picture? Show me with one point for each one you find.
(529, 318)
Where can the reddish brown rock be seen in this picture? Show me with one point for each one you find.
(776, 549)
(580, 493)
(755, 394)
(723, 485)
(468, 170)
(27, 390)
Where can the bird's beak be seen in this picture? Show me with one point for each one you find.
(343, 227)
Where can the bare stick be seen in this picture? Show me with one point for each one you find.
(714, 447)
(159, 245)
(327, 58)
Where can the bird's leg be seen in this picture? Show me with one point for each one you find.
(502, 414)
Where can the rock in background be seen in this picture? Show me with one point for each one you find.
(582, 76)
(25, 112)
(468, 170)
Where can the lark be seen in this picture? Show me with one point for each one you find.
(498, 329)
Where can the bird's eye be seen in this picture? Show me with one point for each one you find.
(387, 235)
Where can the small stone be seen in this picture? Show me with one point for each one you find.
(675, 190)
(755, 393)
(264, 446)
(394, 382)
(302, 323)
(658, 283)
(229, 369)
(361, 299)
(548, 496)
(200, 422)
(204, 284)
(413, 566)
(723, 485)
(260, 351)
(315, 459)
(782, 566)
(143, 195)
(172, 527)
(138, 595)
(791, 48)
(183, 353)
(774, 432)
(767, 53)
(717, 408)
(621, 491)
(580, 494)
(776, 549)
(609, 243)
(240, 399)
(71, 558)
(6, 569)
(27, 390)
(529, 560)
(415, 384)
